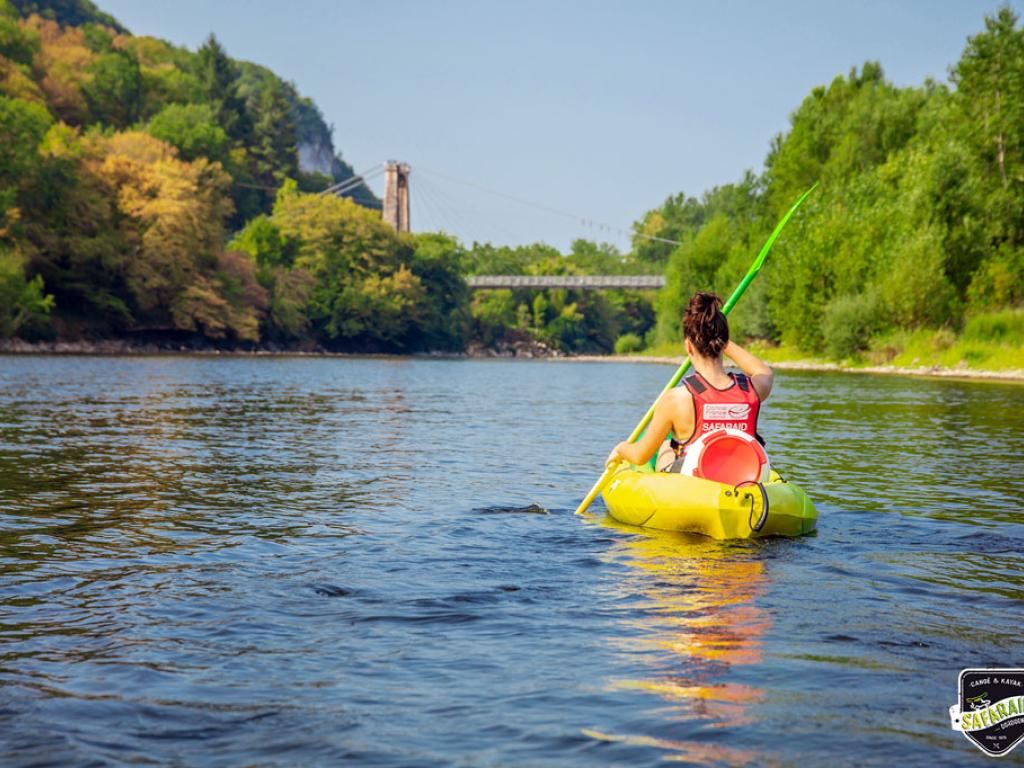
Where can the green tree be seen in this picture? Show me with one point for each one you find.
(73, 238)
(853, 124)
(22, 301)
(218, 81)
(273, 152)
(192, 129)
(592, 258)
(289, 289)
(990, 85)
(494, 314)
(990, 100)
(262, 239)
(437, 262)
(364, 293)
(23, 126)
(72, 13)
(678, 219)
(17, 44)
(114, 92)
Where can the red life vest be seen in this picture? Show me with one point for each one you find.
(735, 407)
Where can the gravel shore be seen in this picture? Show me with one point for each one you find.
(811, 365)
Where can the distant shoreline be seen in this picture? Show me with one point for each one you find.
(113, 347)
(935, 371)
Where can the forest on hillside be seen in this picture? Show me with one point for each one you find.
(918, 223)
(147, 189)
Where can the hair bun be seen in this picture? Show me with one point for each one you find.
(705, 325)
(707, 301)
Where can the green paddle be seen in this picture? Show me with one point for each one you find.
(747, 279)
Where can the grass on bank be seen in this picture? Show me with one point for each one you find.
(773, 353)
(992, 341)
(913, 349)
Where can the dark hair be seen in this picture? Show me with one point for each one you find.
(705, 325)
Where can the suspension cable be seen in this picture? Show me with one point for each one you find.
(353, 181)
(541, 206)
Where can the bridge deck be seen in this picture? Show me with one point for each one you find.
(581, 282)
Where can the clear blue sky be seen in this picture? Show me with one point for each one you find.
(596, 108)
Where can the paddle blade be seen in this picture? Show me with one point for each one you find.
(765, 250)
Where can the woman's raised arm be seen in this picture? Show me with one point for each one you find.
(760, 373)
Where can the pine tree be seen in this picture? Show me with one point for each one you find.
(218, 78)
(273, 150)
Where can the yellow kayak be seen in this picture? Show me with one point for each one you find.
(674, 502)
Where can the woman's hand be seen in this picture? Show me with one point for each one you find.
(760, 373)
(657, 431)
(614, 457)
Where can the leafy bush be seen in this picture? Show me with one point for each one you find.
(22, 301)
(848, 323)
(628, 343)
(999, 280)
(493, 313)
(915, 289)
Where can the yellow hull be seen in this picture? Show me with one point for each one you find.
(673, 502)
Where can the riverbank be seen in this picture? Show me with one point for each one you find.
(902, 353)
(142, 348)
(815, 365)
(514, 345)
(121, 347)
(127, 348)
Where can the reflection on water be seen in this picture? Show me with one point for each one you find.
(695, 616)
(321, 561)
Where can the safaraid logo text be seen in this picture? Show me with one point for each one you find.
(725, 412)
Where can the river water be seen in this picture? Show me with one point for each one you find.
(308, 561)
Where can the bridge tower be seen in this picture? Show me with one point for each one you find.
(396, 195)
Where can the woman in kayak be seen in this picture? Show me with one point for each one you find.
(709, 399)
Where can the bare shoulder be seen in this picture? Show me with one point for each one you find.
(678, 398)
(680, 394)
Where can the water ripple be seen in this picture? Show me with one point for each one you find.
(315, 561)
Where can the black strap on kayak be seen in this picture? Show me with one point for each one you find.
(755, 527)
(676, 466)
